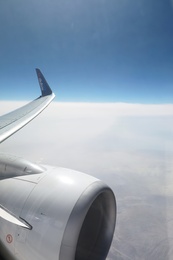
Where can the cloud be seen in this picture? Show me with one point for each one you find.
(74, 128)
(100, 139)
(129, 146)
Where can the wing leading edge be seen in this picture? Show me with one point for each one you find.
(15, 120)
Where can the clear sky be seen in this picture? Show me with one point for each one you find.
(94, 50)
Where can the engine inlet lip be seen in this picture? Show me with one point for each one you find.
(78, 215)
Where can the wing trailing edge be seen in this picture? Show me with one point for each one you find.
(8, 216)
(15, 120)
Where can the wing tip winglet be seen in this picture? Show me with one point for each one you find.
(44, 86)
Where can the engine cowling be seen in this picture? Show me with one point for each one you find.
(69, 216)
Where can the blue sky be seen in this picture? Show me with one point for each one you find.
(89, 51)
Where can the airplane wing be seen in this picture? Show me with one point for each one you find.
(49, 212)
(15, 120)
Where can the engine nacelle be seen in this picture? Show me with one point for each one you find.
(68, 215)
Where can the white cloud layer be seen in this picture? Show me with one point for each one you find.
(68, 131)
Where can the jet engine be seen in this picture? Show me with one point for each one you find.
(54, 213)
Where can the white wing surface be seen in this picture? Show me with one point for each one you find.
(15, 120)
